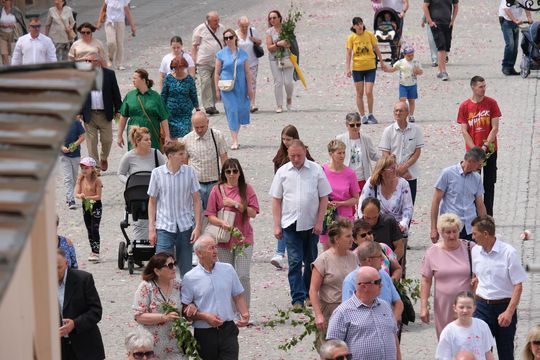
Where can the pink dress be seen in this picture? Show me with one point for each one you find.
(215, 203)
(451, 272)
(344, 186)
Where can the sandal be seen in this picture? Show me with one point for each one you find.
(233, 147)
(254, 109)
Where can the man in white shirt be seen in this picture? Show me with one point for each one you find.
(510, 17)
(34, 47)
(499, 276)
(299, 199)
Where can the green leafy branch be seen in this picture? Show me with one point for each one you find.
(88, 205)
(295, 317)
(489, 151)
(287, 29)
(185, 341)
(410, 287)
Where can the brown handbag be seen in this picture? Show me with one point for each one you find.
(159, 134)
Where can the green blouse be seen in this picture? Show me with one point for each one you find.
(154, 107)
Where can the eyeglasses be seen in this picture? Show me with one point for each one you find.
(353, 125)
(228, 37)
(35, 26)
(273, 18)
(170, 265)
(85, 32)
(363, 235)
(343, 357)
(535, 342)
(372, 282)
(232, 171)
(140, 355)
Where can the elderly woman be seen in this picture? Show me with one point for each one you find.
(232, 193)
(342, 179)
(248, 37)
(232, 64)
(180, 96)
(159, 286)
(144, 107)
(86, 44)
(450, 265)
(328, 272)
(532, 346)
(140, 345)
(59, 24)
(359, 150)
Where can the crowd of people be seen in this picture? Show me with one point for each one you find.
(359, 204)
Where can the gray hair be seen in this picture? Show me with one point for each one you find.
(327, 349)
(475, 154)
(352, 116)
(139, 338)
(243, 19)
(201, 240)
(368, 249)
(211, 14)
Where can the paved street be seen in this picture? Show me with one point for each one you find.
(319, 114)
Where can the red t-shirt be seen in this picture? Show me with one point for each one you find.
(478, 116)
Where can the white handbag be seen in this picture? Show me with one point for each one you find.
(228, 85)
(220, 234)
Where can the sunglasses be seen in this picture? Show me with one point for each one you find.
(372, 282)
(343, 357)
(35, 26)
(363, 235)
(353, 125)
(170, 265)
(231, 171)
(85, 32)
(140, 355)
(228, 37)
(535, 342)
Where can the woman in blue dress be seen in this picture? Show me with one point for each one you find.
(237, 101)
(180, 96)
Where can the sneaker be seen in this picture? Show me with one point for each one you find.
(121, 68)
(364, 119)
(411, 119)
(434, 64)
(372, 120)
(212, 111)
(439, 75)
(94, 257)
(444, 76)
(279, 109)
(298, 307)
(72, 205)
(277, 261)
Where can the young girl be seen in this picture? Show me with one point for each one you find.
(176, 50)
(88, 189)
(465, 333)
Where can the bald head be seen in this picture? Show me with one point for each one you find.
(367, 273)
(243, 20)
(464, 355)
(366, 288)
(200, 121)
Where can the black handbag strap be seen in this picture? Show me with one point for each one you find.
(250, 31)
(214, 35)
(217, 152)
(470, 259)
(156, 163)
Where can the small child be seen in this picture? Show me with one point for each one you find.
(386, 28)
(69, 159)
(408, 69)
(465, 333)
(88, 189)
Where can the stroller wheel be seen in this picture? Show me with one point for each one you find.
(524, 72)
(131, 266)
(121, 255)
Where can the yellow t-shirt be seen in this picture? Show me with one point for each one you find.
(363, 57)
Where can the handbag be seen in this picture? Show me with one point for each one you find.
(160, 135)
(408, 315)
(284, 63)
(257, 49)
(228, 85)
(219, 233)
(70, 33)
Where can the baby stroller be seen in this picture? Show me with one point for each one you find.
(388, 26)
(136, 198)
(530, 45)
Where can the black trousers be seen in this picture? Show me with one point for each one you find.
(219, 343)
(489, 173)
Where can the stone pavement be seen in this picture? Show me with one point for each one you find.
(319, 115)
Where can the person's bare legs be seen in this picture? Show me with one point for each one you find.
(412, 104)
(441, 55)
(369, 94)
(234, 135)
(359, 87)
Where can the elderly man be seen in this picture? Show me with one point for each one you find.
(98, 111)
(80, 312)
(206, 43)
(206, 148)
(299, 193)
(365, 322)
(334, 350)
(34, 47)
(405, 141)
(459, 191)
(500, 276)
(214, 287)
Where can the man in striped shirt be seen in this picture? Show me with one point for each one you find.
(174, 196)
(365, 322)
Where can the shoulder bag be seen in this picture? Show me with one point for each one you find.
(69, 31)
(228, 85)
(214, 35)
(257, 49)
(220, 234)
(158, 134)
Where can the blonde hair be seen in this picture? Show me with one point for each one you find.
(335, 229)
(533, 335)
(446, 221)
(136, 134)
(384, 163)
(335, 145)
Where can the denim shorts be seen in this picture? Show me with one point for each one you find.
(364, 76)
(408, 92)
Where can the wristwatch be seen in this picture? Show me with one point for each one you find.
(237, 206)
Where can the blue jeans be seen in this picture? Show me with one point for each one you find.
(168, 241)
(511, 40)
(205, 193)
(280, 248)
(302, 248)
(504, 336)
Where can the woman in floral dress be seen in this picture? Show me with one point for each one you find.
(159, 286)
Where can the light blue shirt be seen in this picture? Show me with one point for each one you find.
(388, 290)
(212, 291)
(460, 192)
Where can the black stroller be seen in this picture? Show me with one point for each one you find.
(136, 198)
(530, 45)
(388, 26)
